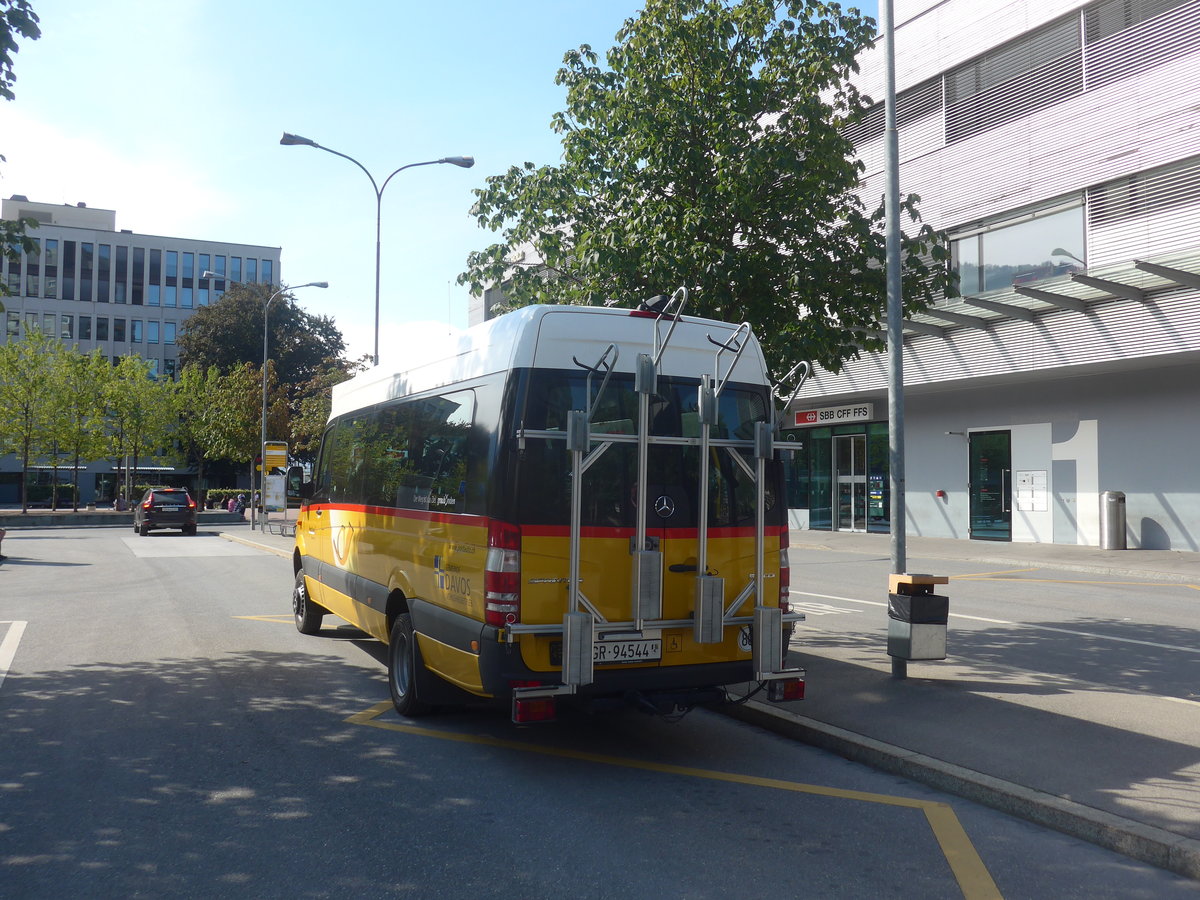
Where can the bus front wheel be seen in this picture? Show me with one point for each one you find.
(403, 662)
(308, 614)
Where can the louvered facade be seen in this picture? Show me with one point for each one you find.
(1058, 144)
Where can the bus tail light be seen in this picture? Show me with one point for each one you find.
(785, 574)
(785, 689)
(502, 575)
(533, 709)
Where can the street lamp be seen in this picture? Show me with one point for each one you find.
(464, 162)
(263, 430)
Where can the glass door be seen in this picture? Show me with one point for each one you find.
(850, 461)
(990, 485)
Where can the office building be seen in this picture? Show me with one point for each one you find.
(1058, 144)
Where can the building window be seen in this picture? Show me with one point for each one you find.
(85, 328)
(31, 323)
(168, 332)
(32, 271)
(139, 276)
(103, 273)
(66, 327)
(121, 284)
(205, 263)
(152, 332)
(202, 296)
(1034, 248)
(185, 297)
(252, 270)
(169, 368)
(135, 331)
(153, 367)
(87, 262)
(13, 326)
(172, 264)
(14, 277)
(51, 283)
(235, 268)
(169, 296)
(153, 295)
(102, 328)
(189, 266)
(68, 270)
(268, 271)
(118, 331)
(48, 324)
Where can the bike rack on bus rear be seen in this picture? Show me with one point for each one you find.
(582, 620)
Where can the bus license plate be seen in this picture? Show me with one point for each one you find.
(626, 651)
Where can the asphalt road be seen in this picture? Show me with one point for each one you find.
(167, 732)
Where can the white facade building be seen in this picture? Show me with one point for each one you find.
(122, 292)
(1058, 143)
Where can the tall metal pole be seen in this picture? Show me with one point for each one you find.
(895, 309)
(464, 162)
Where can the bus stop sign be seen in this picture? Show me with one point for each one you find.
(275, 455)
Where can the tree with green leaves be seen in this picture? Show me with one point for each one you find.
(139, 414)
(313, 400)
(236, 414)
(17, 20)
(708, 151)
(26, 385)
(76, 410)
(229, 333)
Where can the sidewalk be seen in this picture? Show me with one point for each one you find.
(1068, 760)
(1119, 769)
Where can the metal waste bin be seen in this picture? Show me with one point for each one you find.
(1112, 520)
(917, 618)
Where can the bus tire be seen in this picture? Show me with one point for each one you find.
(404, 659)
(308, 614)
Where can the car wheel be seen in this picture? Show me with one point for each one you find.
(308, 614)
(404, 662)
(144, 530)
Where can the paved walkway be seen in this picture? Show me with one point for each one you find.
(1086, 773)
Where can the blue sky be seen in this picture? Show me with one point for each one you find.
(170, 112)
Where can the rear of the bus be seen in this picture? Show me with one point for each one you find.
(660, 665)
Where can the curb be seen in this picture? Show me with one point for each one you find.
(1145, 843)
(238, 539)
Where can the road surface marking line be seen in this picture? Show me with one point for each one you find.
(991, 574)
(8, 647)
(278, 617)
(1072, 632)
(968, 869)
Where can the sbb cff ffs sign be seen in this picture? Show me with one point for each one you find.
(834, 415)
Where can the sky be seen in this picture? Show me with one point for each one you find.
(170, 112)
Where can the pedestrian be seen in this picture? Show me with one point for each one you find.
(240, 507)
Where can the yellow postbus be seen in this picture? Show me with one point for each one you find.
(568, 502)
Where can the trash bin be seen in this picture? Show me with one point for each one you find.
(1112, 520)
(917, 618)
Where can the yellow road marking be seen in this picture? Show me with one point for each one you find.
(998, 576)
(972, 875)
(273, 618)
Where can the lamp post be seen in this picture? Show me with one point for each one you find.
(465, 162)
(263, 430)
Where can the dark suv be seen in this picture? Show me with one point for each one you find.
(165, 508)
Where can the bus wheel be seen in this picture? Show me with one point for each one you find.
(308, 614)
(403, 660)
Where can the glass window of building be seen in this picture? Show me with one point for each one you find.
(48, 324)
(153, 367)
(185, 297)
(138, 279)
(189, 266)
(14, 277)
(33, 271)
(13, 326)
(1040, 246)
(219, 265)
(268, 271)
(251, 269)
(172, 264)
(31, 323)
(118, 331)
(152, 332)
(85, 328)
(169, 298)
(202, 296)
(50, 285)
(103, 272)
(153, 295)
(87, 271)
(235, 268)
(168, 332)
(205, 263)
(169, 368)
(68, 270)
(102, 328)
(66, 327)
(155, 274)
(121, 276)
(135, 331)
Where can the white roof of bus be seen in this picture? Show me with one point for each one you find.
(550, 337)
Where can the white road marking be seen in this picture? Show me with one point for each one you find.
(1070, 631)
(8, 647)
